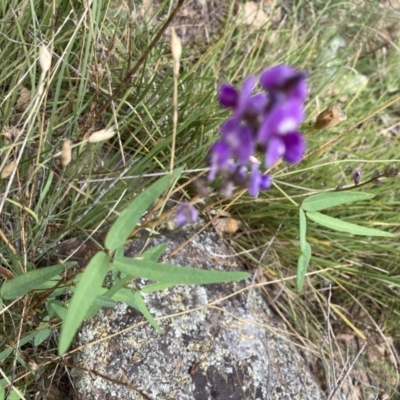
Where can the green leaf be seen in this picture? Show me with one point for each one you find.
(174, 274)
(41, 336)
(2, 393)
(343, 226)
(156, 287)
(127, 296)
(104, 301)
(143, 309)
(303, 229)
(154, 253)
(24, 283)
(5, 353)
(322, 201)
(94, 309)
(58, 308)
(302, 264)
(126, 222)
(16, 395)
(87, 290)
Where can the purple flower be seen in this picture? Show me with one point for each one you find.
(284, 82)
(228, 96)
(290, 146)
(186, 213)
(275, 150)
(219, 160)
(239, 139)
(282, 119)
(258, 181)
(357, 177)
(294, 147)
(267, 121)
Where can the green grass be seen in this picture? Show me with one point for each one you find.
(348, 60)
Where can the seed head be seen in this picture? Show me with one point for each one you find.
(99, 136)
(66, 153)
(44, 58)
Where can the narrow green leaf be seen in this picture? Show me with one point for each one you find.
(41, 336)
(169, 273)
(343, 226)
(126, 222)
(127, 296)
(156, 287)
(302, 264)
(322, 201)
(58, 308)
(26, 209)
(24, 283)
(94, 309)
(303, 229)
(43, 192)
(154, 253)
(2, 393)
(26, 339)
(5, 353)
(87, 290)
(104, 301)
(143, 309)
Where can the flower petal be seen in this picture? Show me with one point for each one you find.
(285, 81)
(275, 150)
(228, 96)
(186, 213)
(295, 146)
(282, 119)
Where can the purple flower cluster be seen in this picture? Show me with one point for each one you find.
(267, 121)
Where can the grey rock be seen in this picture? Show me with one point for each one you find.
(233, 349)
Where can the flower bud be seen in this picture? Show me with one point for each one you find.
(44, 58)
(357, 177)
(330, 117)
(66, 153)
(99, 136)
(8, 170)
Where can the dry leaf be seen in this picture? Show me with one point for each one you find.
(252, 14)
(226, 225)
(23, 99)
(10, 133)
(8, 169)
(6, 273)
(330, 117)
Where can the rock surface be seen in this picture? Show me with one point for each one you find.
(233, 349)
